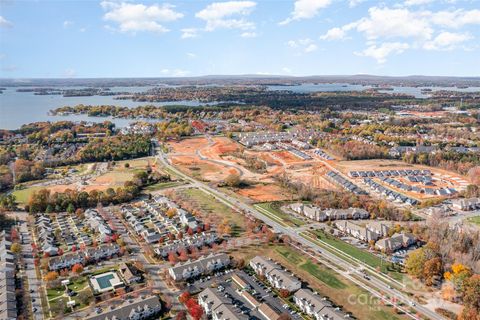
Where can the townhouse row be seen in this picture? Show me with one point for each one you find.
(8, 302)
(309, 302)
(202, 266)
(90, 255)
(317, 214)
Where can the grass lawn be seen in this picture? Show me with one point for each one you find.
(54, 293)
(341, 291)
(475, 220)
(22, 196)
(362, 255)
(272, 210)
(318, 271)
(164, 185)
(211, 205)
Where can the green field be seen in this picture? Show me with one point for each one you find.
(164, 185)
(332, 285)
(273, 211)
(22, 196)
(318, 271)
(475, 220)
(362, 255)
(211, 205)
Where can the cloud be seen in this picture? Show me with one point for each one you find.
(174, 72)
(67, 23)
(191, 55)
(306, 9)
(354, 3)
(391, 23)
(286, 70)
(304, 45)
(446, 41)
(139, 17)
(249, 35)
(381, 52)
(417, 2)
(4, 23)
(227, 15)
(456, 19)
(188, 33)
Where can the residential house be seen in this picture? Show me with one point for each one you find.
(275, 274)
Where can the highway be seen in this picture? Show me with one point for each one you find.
(375, 286)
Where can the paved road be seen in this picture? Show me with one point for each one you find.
(33, 283)
(375, 285)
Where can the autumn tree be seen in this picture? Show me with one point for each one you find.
(51, 276)
(77, 268)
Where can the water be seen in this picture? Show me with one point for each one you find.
(18, 108)
(320, 87)
(329, 87)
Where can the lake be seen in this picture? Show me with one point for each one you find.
(330, 87)
(18, 108)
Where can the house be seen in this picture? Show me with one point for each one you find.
(203, 265)
(371, 231)
(132, 309)
(466, 204)
(396, 242)
(66, 261)
(8, 302)
(218, 306)
(129, 274)
(317, 307)
(275, 274)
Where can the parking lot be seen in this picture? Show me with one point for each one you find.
(223, 283)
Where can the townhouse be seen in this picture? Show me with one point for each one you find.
(275, 274)
(396, 242)
(202, 266)
(44, 233)
(8, 303)
(187, 243)
(466, 204)
(97, 223)
(90, 255)
(372, 231)
(317, 307)
(338, 179)
(218, 306)
(132, 309)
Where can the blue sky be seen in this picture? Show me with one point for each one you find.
(188, 38)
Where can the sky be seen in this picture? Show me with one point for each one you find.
(82, 39)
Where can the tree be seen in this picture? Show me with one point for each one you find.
(51, 276)
(471, 295)
(415, 262)
(16, 248)
(70, 208)
(172, 257)
(171, 212)
(77, 268)
(85, 296)
(432, 270)
(284, 293)
(233, 180)
(181, 316)
(184, 297)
